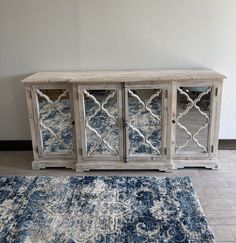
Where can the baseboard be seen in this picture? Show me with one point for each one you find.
(15, 145)
(26, 145)
(227, 144)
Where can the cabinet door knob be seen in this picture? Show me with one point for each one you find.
(73, 122)
(173, 121)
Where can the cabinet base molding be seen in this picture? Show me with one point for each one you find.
(212, 164)
(109, 165)
(86, 166)
(43, 164)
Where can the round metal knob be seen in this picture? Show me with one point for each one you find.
(173, 121)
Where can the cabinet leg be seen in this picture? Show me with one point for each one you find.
(212, 167)
(81, 169)
(168, 170)
(37, 166)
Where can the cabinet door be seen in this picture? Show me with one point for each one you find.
(193, 119)
(54, 120)
(101, 122)
(145, 115)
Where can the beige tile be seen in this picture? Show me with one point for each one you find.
(218, 204)
(187, 172)
(222, 233)
(227, 193)
(211, 173)
(228, 166)
(233, 230)
(212, 183)
(217, 217)
(231, 182)
(206, 193)
(208, 180)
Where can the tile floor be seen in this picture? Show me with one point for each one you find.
(216, 189)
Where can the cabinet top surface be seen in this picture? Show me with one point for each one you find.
(123, 76)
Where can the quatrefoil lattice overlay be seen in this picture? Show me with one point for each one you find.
(192, 104)
(144, 123)
(55, 122)
(101, 122)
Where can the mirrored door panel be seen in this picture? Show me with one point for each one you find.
(100, 126)
(55, 121)
(193, 119)
(144, 118)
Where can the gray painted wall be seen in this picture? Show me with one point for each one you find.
(40, 35)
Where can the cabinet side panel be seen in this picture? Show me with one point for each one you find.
(29, 100)
(218, 101)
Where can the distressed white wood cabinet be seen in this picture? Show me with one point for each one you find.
(163, 120)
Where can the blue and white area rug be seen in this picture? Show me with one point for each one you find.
(100, 209)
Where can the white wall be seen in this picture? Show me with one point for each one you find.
(38, 35)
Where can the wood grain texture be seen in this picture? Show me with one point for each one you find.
(124, 76)
(121, 81)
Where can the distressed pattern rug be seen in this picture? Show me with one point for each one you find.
(100, 209)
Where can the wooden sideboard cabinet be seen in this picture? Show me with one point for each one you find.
(150, 119)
